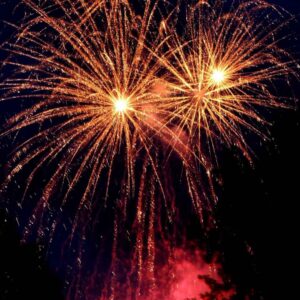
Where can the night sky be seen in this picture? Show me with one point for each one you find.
(257, 216)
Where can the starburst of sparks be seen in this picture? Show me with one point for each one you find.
(223, 68)
(114, 89)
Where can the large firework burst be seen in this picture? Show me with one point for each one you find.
(223, 67)
(112, 90)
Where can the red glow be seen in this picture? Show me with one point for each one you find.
(187, 284)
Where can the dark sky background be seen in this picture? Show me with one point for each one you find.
(257, 216)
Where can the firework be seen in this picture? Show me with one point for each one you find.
(89, 78)
(93, 83)
(223, 68)
(111, 94)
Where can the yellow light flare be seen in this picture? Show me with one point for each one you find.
(218, 76)
(121, 105)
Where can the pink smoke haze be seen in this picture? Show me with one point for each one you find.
(186, 282)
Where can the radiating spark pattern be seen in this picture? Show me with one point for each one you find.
(223, 68)
(112, 91)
